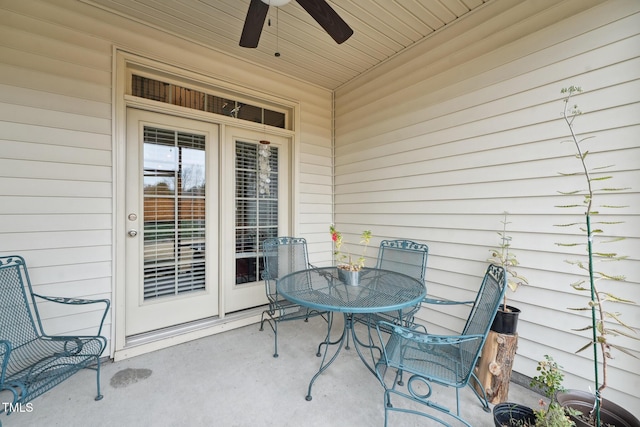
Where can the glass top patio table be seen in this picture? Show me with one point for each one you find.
(324, 289)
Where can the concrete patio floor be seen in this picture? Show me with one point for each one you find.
(231, 379)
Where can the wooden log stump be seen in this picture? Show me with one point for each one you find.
(495, 365)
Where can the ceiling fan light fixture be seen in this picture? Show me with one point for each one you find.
(276, 3)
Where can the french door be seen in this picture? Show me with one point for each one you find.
(172, 211)
(259, 208)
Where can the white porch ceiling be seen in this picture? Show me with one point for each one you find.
(382, 29)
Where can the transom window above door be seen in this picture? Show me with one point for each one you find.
(170, 93)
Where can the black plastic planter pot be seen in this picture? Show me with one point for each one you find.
(506, 322)
(610, 413)
(509, 414)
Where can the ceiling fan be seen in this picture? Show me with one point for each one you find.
(319, 10)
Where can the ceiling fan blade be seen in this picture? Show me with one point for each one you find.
(328, 19)
(253, 23)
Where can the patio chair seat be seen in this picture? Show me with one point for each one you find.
(446, 360)
(402, 256)
(442, 359)
(32, 362)
(283, 255)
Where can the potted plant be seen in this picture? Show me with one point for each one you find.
(498, 354)
(506, 320)
(508, 414)
(603, 323)
(348, 269)
(549, 382)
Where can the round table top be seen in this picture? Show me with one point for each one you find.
(377, 291)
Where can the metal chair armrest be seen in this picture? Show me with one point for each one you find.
(383, 325)
(412, 335)
(79, 301)
(75, 301)
(438, 301)
(421, 338)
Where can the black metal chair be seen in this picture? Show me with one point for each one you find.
(283, 255)
(438, 359)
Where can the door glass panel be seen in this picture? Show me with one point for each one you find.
(174, 212)
(256, 198)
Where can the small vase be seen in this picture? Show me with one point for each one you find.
(349, 277)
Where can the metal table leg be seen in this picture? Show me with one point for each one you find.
(323, 366)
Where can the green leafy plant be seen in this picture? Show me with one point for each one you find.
(345, 260)
(601, 318)
(549, 381)
(503, 256)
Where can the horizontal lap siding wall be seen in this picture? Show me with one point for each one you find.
(56, 171)
(435, 145)
(55, 164)
(315, 180)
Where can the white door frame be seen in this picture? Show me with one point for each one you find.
(123, 65)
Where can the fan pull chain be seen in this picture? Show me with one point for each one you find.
(277, 54)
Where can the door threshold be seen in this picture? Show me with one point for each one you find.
(147, 342)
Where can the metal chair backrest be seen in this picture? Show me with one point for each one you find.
(282, 255)
(18, 313)
(404, 256)
(484, 309)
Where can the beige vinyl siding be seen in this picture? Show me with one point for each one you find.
(57, 200)
(431, 146)
(316, 181)
(435, 144)
(55, 166)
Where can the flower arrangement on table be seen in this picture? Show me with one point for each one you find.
(345, 260)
